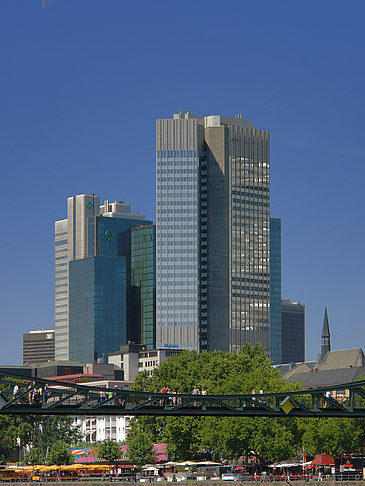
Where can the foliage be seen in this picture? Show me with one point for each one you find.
(109, 450)
(59, 453)
(12, 428)
(140, 447)
(219, 373)
(34, 456)
(230, 437)
(37, 432)
(335, 435)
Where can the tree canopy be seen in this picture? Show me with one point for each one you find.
(140, 447)
(109, 450)
(219, 373)
(230, 437)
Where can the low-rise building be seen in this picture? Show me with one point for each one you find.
(134, 358)
(330, 368)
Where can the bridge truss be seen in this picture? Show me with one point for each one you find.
(36, 396)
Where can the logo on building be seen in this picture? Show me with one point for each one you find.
(109, 235)
(89, 205)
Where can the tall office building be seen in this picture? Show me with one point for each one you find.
(275, 290)
(138, 246)
(38, 346)
(293, 331)
(213, 233)
(90, 278)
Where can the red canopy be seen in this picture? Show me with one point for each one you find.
(323, 460)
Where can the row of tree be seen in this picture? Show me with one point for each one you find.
(229, 438)
(188, 437)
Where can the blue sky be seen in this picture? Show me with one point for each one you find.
(82, 83)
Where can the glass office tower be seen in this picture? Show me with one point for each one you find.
(89, 231)
(213, 233)
(293, 332)
(138, 246)
(97, 307)
(275, 291)
(143, 281)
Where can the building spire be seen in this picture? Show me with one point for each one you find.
(326, 336)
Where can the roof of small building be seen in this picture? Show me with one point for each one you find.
(343, 358)
(322, 378)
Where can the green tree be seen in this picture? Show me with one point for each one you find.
(59, 453)
(335, 435)
(140, 447)
(109, 450)
(34, 456)
(219, 373)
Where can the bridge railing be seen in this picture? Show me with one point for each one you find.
(20, 395)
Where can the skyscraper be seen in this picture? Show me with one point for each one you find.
(38, 346)
(138, 246)
(275, 291)
(90, 278)
(213, 233)
(293, 332)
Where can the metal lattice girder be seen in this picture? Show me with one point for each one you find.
(37, 396)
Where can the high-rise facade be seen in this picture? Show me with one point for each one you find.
(213, 233)
(138, 246)
(143, 281)
(38, 346)
(293, 331)
(275, 290)
(90, 278)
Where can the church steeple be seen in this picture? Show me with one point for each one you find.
(326, 337)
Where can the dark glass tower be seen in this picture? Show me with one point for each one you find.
(293, 332)
(138, 246)
(275, 291)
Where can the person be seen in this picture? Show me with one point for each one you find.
(320, 476)
(165, 389)
(253, 398)
(45, 394)
(204, 391)
(15, 391)
(196, 390)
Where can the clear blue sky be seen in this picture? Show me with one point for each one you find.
(82, 82)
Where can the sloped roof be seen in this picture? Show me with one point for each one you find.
(343, 358)
(326, 377)
(301, 368)
(323, 460)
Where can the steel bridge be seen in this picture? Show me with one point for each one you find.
(21, 395)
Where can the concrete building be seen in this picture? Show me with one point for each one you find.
(99, 428)
(90, 278)
(134, 358)
(38, 346)
(213, 233)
